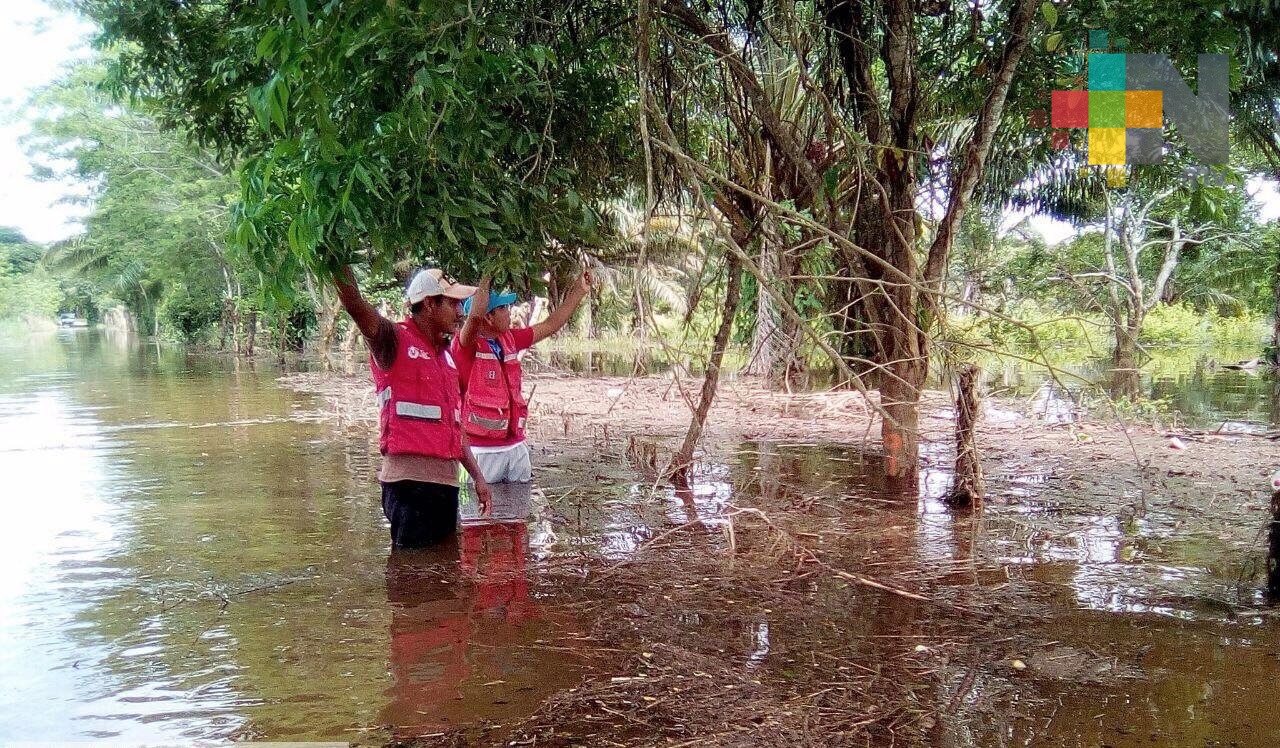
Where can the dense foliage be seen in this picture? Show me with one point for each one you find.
(471, 135)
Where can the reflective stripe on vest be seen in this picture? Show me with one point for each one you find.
(493, 357)
(418, 410)
(498, 424)
(417, 395)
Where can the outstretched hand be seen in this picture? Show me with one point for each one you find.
(484, 497)
(584, 282)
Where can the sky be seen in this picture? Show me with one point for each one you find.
(37, 42)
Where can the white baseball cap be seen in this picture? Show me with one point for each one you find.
(431, 282)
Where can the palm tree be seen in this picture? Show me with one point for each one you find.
(657, 261)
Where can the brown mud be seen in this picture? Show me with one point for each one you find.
(1110, 592)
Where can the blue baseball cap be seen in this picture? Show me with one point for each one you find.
(495, 300)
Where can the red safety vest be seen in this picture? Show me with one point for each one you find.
(418, 399)
(493, 408)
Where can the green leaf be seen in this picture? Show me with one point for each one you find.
(299, 8)
(1050, 14)
(261, 110)
(1052, 41)
(360, 173)
(268, 43)
(279, 103)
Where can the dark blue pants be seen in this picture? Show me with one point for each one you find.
(421, 514)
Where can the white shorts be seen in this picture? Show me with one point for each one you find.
(508, 472)
(505, 464)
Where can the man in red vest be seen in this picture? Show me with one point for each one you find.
(419, 406)
(493, 409)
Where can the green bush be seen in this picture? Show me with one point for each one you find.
(188, 315)
(1175, 324)
(1180, 324)
(1029, 324)
(1247, 329)
(1165, 325)
(33, 294)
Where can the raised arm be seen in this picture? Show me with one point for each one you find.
(362, 312)
(479, 305)
(378, 331)
(561, 315)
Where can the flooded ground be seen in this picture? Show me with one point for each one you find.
(194, 552)
(1195, 384)
(188, 553)
(1066, 615)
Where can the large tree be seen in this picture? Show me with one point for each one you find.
(1144, 232)
(843, 164)
(156, 236)
(27, 290)
(468, 134)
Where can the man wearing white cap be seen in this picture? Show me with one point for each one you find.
(420, 405)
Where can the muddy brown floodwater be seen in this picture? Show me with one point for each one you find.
(193, 551)
(188, 553)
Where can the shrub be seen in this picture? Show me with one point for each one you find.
(1179, 324)
(189, 316)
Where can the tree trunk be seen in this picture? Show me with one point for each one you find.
(851, 323)
(1275, 330)
(587, 317)
(1124, 360)
(329, 309)
(683, 458)
(763, 359)
(251, 333)
(226, 330)
(233, 309)
(639, 325)
(593, 309)
(284, 337)
(969, 486)
(893, 313)
(899, 429)
(790, 363)
(349, 342)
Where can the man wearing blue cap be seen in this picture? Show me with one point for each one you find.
(493, 407)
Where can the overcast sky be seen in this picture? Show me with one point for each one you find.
(37, 42)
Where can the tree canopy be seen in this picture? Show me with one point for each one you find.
(466, 134)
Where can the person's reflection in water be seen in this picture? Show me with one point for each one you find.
(434, 618)
(494, 550)
(430, 629)
(493, 554)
